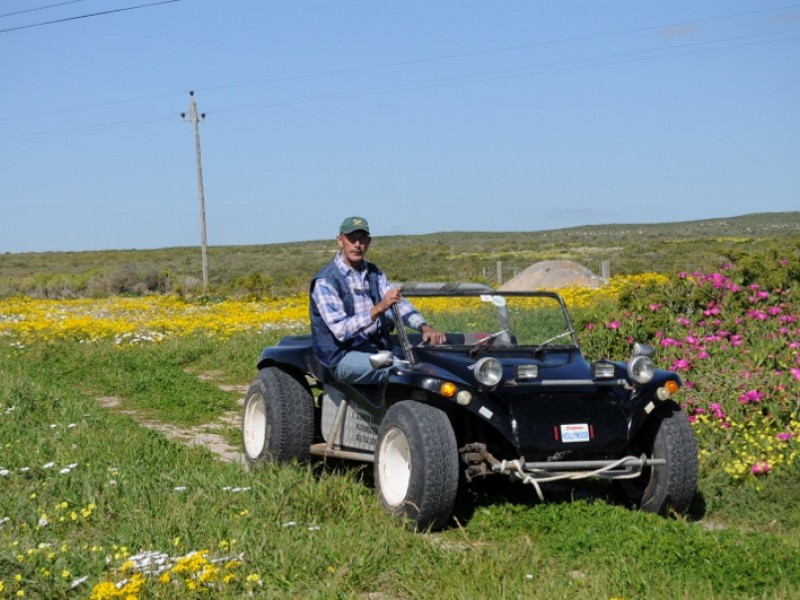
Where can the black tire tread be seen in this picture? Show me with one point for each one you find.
(676, 434)
(290, 414)
(434, 480)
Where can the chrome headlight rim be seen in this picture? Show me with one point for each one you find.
(488, 371)
(641, 369)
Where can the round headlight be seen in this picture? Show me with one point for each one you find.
(488, 371)
(641, 369)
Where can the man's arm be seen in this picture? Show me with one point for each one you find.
(410, 315)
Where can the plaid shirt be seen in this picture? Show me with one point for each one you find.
(360, 325)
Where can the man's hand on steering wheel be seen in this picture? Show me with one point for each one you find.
(432, 336)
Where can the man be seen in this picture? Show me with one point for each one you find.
(350, 304)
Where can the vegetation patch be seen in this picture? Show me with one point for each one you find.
(96, 506)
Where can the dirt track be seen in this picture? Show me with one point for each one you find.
(205, 435)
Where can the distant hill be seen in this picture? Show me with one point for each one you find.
(285, 268)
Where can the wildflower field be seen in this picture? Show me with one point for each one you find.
(94, 506)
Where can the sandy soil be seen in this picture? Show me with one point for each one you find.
(206, 435)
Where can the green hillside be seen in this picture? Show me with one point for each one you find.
(279, 269)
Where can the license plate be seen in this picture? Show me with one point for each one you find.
(578, 432)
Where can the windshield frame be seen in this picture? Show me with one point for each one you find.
(486, 294)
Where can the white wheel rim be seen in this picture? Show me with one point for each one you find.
(254, 426)
(395, 467)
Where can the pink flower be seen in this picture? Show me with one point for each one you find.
(590, 326)
(613, 325)
(655, 307)
(750, 397)
(761, 468)
(680, 365)
(784, 262)
(795, 373)
(757, 315)
(785, 437)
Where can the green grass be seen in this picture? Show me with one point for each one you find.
(152, 494)
(83, 488)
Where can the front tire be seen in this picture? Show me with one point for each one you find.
(416, 464)
(667, 489)
(278, 419)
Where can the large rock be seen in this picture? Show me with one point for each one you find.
(552, 275)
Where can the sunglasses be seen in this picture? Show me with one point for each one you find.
(354, 238)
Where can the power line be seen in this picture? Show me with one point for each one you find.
(498, 50)
(86, 16)
(27, 10)
(88, 128)
(557, 67)
(560, 66)
(408, 62)
(92, 106)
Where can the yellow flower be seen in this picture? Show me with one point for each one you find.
(128, 565)
(104, 590)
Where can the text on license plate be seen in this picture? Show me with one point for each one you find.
(577, 432)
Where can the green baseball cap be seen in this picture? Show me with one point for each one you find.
(351, 224)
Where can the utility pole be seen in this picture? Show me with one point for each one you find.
(193, 118)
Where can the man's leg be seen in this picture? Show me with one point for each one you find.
(354, 368)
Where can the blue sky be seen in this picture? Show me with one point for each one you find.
(423, 116)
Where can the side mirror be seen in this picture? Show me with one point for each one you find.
(640, 349)
(382, 359)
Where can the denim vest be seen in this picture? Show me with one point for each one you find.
(327, 348)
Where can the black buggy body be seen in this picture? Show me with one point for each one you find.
(509, 393)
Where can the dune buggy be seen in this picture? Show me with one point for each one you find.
(508, 393)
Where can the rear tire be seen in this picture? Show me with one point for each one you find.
(669, 488)
(416, 464)
(278, 419)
